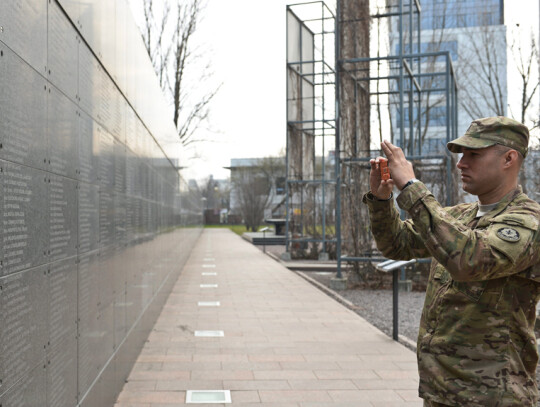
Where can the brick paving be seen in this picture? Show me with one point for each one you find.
(285, 343)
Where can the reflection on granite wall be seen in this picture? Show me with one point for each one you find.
(93, 233)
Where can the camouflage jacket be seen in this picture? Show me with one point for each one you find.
(476, 344)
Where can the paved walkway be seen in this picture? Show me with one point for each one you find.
(285, 343)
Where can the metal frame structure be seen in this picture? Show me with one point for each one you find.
(314, 119)
(406, 70)
(407, 86)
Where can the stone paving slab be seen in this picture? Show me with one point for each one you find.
(285, 342)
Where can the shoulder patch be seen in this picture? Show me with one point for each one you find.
(508, 234)
(512, 241)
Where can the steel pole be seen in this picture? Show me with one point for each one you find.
(395, 303)
(338, 142)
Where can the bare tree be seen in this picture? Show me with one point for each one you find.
(481, 73)
(153, 36)
(210, 192)
(485, 61)
(255, 187)
(168, 34)
(525, 62)
(192, 203)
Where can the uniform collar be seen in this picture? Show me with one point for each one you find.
(501, 206)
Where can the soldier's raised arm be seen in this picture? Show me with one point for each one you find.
(394, 238)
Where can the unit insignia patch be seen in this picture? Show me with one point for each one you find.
(508, 234)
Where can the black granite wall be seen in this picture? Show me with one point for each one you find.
(92, 234)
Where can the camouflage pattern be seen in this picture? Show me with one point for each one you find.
(476, 343)
(489, 131)
(428, 403)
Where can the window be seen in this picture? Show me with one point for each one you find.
(486, 19)
(434, 117)
(280, 185)
(439, 22)
(460, 13)
(450, 46)
(433, 146)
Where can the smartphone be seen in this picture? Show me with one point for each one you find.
(385, 171)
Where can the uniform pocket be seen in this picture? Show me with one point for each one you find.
(473, 290)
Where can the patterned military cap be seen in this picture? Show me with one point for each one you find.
(489, 131)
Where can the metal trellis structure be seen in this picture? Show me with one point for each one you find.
(310, 122)
(352, 76)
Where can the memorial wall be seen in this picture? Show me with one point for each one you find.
(93, 233)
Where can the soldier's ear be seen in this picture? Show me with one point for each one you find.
(511, 158)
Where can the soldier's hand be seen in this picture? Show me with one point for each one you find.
(401, 169)
(380, 188)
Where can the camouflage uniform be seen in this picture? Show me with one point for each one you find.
(428, 403)
(476, 343)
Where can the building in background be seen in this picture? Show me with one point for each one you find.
(493, 47)
(494, 50)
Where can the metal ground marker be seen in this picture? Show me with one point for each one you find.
(210, 334)
(209, 304)
(208, 396)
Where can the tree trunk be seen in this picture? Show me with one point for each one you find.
(354, 22)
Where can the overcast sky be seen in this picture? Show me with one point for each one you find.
(246, 40)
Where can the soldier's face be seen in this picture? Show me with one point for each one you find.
(481, 170)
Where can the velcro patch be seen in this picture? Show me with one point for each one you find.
(508, 234)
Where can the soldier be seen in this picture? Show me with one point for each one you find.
(476, 343)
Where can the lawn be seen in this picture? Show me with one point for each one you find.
(238, 229)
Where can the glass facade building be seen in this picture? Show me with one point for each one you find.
(437, 14)
(445, 25)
